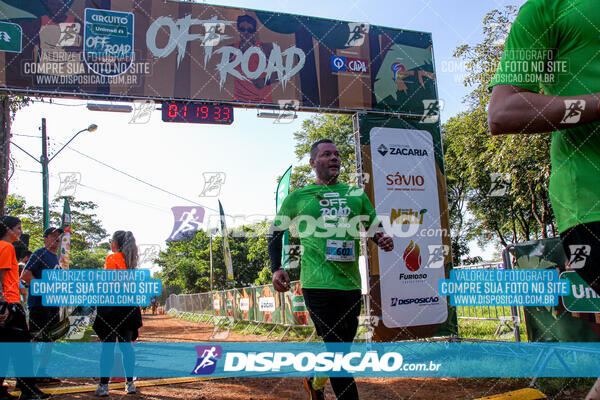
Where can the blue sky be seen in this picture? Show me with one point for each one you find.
(252, 152)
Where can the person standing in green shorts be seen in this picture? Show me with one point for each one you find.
(548, 81)
(327, 216)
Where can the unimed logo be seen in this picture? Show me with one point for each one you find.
(207, 359)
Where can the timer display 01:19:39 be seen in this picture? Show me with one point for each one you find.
(197, 113)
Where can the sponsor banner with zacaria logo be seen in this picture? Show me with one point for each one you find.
(406, 191)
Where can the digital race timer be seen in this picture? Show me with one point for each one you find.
(176, 111)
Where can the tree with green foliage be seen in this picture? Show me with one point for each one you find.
(186, 264)
(87, 235)
(472, 155)
(335, 127)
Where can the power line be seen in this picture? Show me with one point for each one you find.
(142, 181)
(148, 205)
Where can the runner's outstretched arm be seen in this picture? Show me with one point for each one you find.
(281, 280)
(515, 110)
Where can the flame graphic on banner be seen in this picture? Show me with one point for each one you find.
(412, 256)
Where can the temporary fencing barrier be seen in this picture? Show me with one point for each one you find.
(263, 306)
(258, 306)
(505, 315)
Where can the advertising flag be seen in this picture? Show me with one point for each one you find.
(226, 252)
(65, 241)
(283, 189)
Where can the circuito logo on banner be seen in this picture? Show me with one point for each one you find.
(207, 359)
(108, 41)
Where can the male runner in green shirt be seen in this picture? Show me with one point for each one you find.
(548, 80)
(327, 216)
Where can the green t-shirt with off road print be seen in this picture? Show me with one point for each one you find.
(554, 47)
(328, 219)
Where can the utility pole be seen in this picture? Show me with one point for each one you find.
(44, 162)
(4, 150)
(211, 264)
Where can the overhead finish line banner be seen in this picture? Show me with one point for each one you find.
(175, 50)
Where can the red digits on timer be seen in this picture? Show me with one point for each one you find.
(226, 113)
(172, 110)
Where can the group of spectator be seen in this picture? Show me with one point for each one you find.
(18, 267)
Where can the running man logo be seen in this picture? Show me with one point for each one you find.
(573, 109)
(500, 184)
(207, 359)
(357, 182)
(69, 34)
(437, 252)
(294, 252)
(431, 111)
(213, 182)
(68, 183)
(287, 111)
(142, 111)
(188, 221)
(148, 253)
(579, 254)
(358, 32)
(214, 32)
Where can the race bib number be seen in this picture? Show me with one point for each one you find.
(340, 250)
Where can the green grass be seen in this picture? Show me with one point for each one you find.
(555, 386)
(87, 337)
(485, 329)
